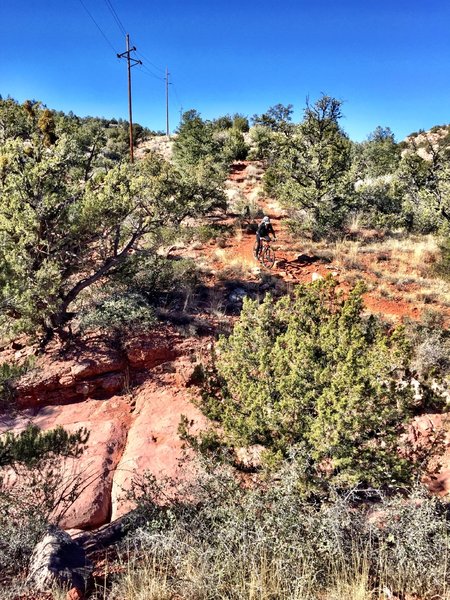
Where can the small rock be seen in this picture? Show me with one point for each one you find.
(237, 295)
(75, 594)
(316, 276)
(83, 389)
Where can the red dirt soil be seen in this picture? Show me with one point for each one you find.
(296, 267)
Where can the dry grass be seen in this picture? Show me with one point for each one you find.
(234, 266)
(403, 265)
(259, 577)
(346, 254)
(271, 545)
(415, 255)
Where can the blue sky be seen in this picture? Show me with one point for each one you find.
(388, 60)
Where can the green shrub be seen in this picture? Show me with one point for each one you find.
(119, 313)
(315, 374)
(235, 147)
(8, 373)
(207, 233)
(155, 277)
(40, 491)
(32, 446)
(240, 122)
(21, 531)
(429, 340)
(443, 266)
(262, 141)
(379, 203)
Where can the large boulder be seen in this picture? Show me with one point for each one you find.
(153, 444)
(84, 482)
(59, 561)
(91, 474)
(129, 399)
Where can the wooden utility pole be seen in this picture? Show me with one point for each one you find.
(131, 63)
(167, 103)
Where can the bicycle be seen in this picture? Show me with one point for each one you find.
(266, 255)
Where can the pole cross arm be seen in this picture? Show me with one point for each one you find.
(133, 61)
(127, 52)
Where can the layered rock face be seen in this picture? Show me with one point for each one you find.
(130, 400)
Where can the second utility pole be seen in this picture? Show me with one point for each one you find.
(167, 102)
(131, 63)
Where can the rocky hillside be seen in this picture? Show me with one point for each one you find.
(131, 397)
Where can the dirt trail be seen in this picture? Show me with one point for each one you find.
(292, 266)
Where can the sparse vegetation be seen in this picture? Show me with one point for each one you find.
(311, 493)
(35, 489)
(271, 543)
(8, 373)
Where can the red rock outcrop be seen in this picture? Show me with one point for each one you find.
(432, 432)
(96, 370)
(129, 399)
(153, 444)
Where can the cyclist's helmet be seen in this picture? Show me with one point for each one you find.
(266, 220)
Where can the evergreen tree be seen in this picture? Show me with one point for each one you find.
(31, 446)
(308, 170)
(69, 217)
(424, 173)
(379, 155)
(278, 119)
(195, 141)
(316, 375)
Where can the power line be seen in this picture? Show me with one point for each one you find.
(116, 17)
(146, 71)
(98, 26)
(150, 62)
(176, 94)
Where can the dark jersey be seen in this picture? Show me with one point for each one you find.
(264, 229)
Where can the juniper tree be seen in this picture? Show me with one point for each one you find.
(69, 217)
(308, 169)
(425, 175)
(32, 446)
(312, 372)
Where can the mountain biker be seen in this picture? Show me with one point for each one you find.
(263, 231)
